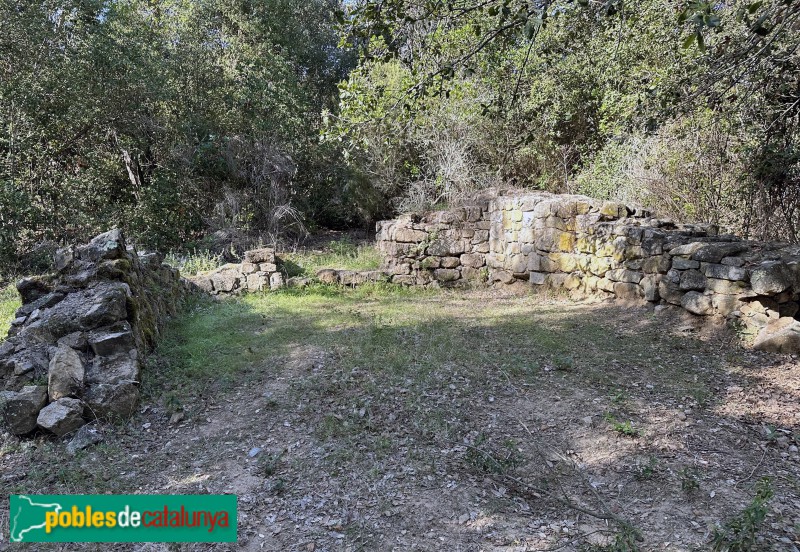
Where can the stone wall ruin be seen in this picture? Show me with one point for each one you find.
(74, 350)
(258, 272)
(589, 246)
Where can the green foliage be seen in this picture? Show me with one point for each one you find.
(268, 463)
(739, 533)
(689, 481)
(689, 114)
(164, 118)
(195, 261)
(341, 254)
(624, 540)
(623, 428)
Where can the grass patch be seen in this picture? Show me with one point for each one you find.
(342, 254)
(739, 533)
(9, 303)
(409, 337)
(191, 263)
(623, 428)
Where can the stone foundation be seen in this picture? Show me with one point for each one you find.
(592, 247)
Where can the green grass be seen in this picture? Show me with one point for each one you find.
(623, 428)
(410, 338)
(739, 534)
(220, 340)
(341, 254)
(192, 262)
(399, 333)
(9, 303)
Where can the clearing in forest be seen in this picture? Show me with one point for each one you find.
(384, 418)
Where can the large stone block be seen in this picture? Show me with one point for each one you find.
(61, 417)
(112, 401)
(670, 292)
(564, 262)
(404, 279)
(682, 263)
(473, 274)
(114, 370)
(780, 336)
(262, 255)
(66, 374)
(697, 303)
(611, 210)
(725, 304)
(649, 285)
(444, 246)
(572, 282)
(724, 272)
(727, 287)
(276, 281)
(715, 252)
(249, 268)
(687, 250)
(623, 275)
(604, 284)
(534, 263)
(771, 278)
(502, 276)
(446, 275)
(225, 281)
(518, 264)
(409, 235)
(481, 248)
(599, 266)
(628, 291)
(553, 240)
(109, 305)
(328, 276)
(257, 282)
(450, 262)
(19, 410)
(111, 341)
(537, 278)
(692, 280)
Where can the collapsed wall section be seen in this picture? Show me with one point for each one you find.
(592, 247)
(75, 348)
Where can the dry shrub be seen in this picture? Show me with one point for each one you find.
(258, 200)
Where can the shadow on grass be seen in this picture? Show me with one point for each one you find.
(494, 378)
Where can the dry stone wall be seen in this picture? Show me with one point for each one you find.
(261, 271)
(592, 247)
(74, 350)
(258, 272)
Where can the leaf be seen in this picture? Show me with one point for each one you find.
(758, 26)
(689, 40)
(529, 31)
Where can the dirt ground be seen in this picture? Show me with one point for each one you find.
(507, 422)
